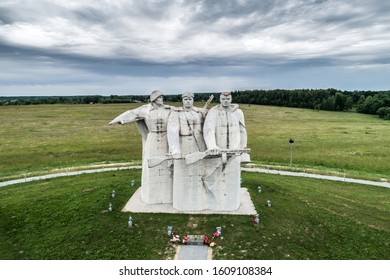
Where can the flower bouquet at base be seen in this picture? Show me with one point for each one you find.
(179, 240)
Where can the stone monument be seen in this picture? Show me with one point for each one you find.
(185, 136)
(191, 157)
(225, 135)
(152, 121)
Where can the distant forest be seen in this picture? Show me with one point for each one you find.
(366, 102)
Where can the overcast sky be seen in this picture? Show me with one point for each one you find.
(77, 47)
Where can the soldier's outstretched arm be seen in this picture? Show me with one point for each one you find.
(128, 116)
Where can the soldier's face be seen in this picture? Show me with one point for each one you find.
(188, 102)
(159, 100)
(225, 100)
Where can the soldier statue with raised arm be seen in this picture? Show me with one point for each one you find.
(152, 120)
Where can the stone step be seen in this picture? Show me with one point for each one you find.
(195, 239)
(186, 252)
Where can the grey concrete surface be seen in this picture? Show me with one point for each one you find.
(193, 252)
(260, 170)
(136, 205)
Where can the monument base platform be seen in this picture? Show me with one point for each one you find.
(136, 205)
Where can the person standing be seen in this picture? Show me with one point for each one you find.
(152, 120)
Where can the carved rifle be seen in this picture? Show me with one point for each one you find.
(154, 161)
(195, 157)
(208, 101)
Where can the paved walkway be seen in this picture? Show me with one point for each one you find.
(193, 252)
(64, 174)
(317, 176)
(261, 170)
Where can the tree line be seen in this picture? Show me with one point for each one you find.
(366, 102)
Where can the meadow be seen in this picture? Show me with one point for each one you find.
(42, 138)
(67, 218)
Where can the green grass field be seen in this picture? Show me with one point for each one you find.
(66, 218)
(38, 139)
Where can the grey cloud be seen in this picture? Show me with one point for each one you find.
(346, 33)
(154, 9)
(207, 13)
(26, 11)
(240, 65)
(5, 16)
(255, 17)
(355, 13)
(209, 10)
(91, 15)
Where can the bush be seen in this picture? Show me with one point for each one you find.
(384, 113)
